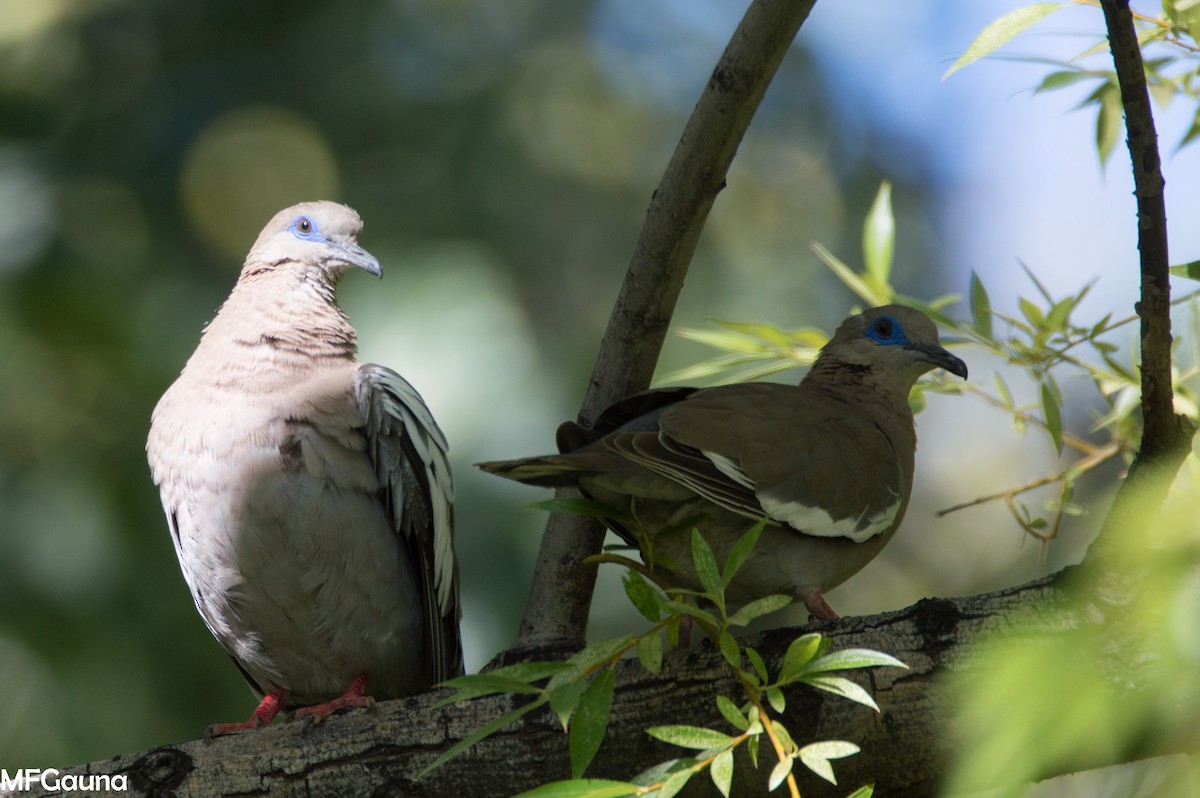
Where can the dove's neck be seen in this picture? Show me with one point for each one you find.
(293, 321)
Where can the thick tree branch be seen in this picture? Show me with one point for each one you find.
(906, 748)
(561, 591)
(1166, 437)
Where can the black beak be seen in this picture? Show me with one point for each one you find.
(941, 358)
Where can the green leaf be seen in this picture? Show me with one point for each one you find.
(564, 699)
(841, 686)
(1053, 416)
(756, 661)
(581, 788)
(687, 608)
(1060, 313)
(530, 671)
(981, 307)
(817, 755)
(591, 721)
(577, 505)
(866, 791)
(695, 737)
(784, 736)
(672, 632)
(799, 653)
(481, 684)
(706, 566)
(674, 783)
(662, 771)
(601, 651)
(879, 238)
(1190, 270)
(1109, 120)
(721, 771)
(853, 281)
(484, 731)
(848, 658)
(752, 749)
(1062, 79)
(732, 713)
(1032, 312)
(1000, 32)
(780, 772)
(729, 649)
(643, 596)
(650, 652)
(1006, 397)
(776, 699)
(740, 551)
(758, 608)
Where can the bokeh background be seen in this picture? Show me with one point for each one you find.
(502, 156)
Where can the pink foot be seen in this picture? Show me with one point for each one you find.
(263, 714)
(817, 605)
(353, 697)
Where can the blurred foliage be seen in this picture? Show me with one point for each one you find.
(502, 156)
(1122, 681)
(1169, 76)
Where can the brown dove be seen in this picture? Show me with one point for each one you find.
(828, 463)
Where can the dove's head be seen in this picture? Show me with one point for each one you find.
(890, 346)
(319, 237)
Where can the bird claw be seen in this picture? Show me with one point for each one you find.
(353, 698)
(817, 606)
(262, 716)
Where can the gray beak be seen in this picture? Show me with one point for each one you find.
(941, 358)
(354, 255)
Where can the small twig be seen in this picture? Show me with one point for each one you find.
(1096, 458)
(769, 727)
(1075, 442)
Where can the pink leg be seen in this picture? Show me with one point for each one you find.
(685, 631)
(266, 711)
(817, 605)
(353, 697)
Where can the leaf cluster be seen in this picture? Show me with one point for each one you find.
(1170, 76)
(580, 690)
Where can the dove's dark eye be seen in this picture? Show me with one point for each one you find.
(886, 330)
(304, 227)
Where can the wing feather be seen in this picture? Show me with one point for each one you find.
(409, 454)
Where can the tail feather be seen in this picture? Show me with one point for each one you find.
(545, 472)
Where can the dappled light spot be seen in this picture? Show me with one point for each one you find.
(245, 166)
(27, 221)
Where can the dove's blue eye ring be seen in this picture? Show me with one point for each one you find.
(886, 330)
(305, 228)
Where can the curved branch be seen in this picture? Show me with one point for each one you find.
(1166, 437)
(561, 591)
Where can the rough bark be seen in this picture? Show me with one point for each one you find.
(905, 748)
(561, 591)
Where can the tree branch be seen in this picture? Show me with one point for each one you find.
(1166, 437)
(561, 591)
(906, 748)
